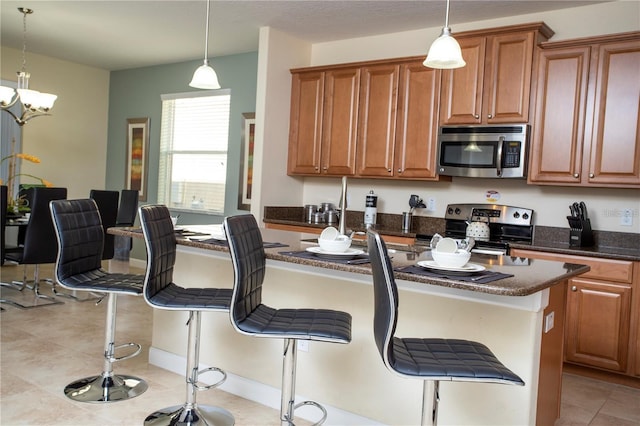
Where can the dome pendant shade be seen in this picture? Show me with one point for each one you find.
(205, 77)
(445, 52)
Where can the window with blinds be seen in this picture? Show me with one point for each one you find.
(193, 151)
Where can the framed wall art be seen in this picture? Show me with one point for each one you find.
(137, 167)
(246, 160)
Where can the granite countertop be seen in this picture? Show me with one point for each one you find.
(608, 245)
(528, 276)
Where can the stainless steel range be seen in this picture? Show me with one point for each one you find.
(507, 224)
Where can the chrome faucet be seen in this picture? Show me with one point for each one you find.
(342, 227)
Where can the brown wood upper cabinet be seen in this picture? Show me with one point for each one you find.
(371, 119)
(587, 113)
(494, 87)
(322, 130)
(398, 127)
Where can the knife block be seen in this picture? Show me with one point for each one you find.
(580, 234)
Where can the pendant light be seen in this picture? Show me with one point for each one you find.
(205, 77)
(445, 52)
(34, 103)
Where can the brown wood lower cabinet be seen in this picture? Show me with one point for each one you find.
(603, 313)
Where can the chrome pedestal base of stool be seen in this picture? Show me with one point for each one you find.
(180, 415)
(105, 389)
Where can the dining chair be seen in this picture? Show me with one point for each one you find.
(430, 359)
(107, 202)
(40, 244)
(128, 207)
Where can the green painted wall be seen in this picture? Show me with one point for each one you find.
(135, 93)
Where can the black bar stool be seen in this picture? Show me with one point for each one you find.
(162, 293)
(250, 316)
(429, 359)
(78, 267)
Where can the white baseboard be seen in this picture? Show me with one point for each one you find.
(258, 392)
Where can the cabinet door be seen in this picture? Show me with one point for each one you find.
(417, 129)
(461, 99)
(377, 120)
(598, 324)
(560, 102)
(305, 128)
(340, 121)
(615, 142)
(507, 81)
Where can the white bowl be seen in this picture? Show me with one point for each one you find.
(339, 245)
(447, 245)
(451, 260)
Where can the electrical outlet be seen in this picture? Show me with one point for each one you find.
(431, 204)
(303, 345)
(627, 217)
(548, 321)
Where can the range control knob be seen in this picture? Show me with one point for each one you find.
(458, 211)
(525, 216)
(450, 210)
(516, 215)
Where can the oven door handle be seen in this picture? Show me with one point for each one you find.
(499, 155)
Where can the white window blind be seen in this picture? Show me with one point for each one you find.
(194, 138)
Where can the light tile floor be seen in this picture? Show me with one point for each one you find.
(43, 349)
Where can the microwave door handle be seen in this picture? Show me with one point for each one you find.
(499, 159)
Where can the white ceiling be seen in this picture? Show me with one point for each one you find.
(121, 34)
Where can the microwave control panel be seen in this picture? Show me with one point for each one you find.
(511, 155)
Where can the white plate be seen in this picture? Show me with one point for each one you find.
(349, 253)
(468, 268)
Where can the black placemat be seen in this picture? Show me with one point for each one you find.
(224, 243)
(482, 277)
(356, 260)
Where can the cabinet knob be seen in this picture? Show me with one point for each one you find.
(399, 170)
(476, 116)
(489, 115)
(389, 170)
(324, 168)
(574, 288)
(317, 168)
(591, 175)
(576, 175)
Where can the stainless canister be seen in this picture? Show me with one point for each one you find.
(309, 211)
(331, 216)
(318, 217)
(325, 207)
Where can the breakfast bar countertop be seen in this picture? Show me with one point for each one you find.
(526, 276)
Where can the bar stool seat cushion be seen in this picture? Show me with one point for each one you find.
(99, 280)
(189, 299)
(448, 359)
(310, 324)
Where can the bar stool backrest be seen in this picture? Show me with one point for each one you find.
(247, 255)
(4, 205)
(80, 238)
(385, 292)
(40, 242)
(160, 239)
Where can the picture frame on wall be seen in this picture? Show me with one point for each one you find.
(137, 167)
(247, 145)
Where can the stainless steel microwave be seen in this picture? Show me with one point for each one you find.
(488, 151)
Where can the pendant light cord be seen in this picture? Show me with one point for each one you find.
(206, 33)
(446, 16)
(25, 12)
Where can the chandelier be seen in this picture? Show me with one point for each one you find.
(34, 103)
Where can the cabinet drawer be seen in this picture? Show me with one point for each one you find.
(601, 269)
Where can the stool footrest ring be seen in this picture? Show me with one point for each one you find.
(122, 358)
(315, 404)
(207, 387)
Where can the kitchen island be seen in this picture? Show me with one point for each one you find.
(509, 315)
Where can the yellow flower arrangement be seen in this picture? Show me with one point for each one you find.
(14, 204)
